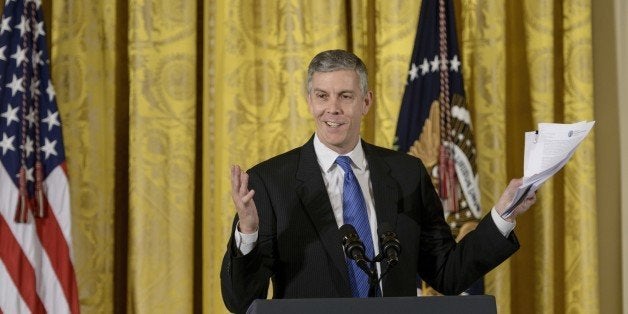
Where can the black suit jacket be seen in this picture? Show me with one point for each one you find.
(299, 243)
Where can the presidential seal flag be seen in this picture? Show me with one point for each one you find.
(434, 122)
(36, 269)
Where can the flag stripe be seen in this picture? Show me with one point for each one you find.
(11, 301)
(54, 241)
(48, 286)
(58, 196)
(19, 268)
(58, 253)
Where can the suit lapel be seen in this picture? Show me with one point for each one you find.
(384, 198)
(313, 194)
(384, 187)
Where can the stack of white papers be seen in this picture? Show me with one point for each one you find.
(546, 151)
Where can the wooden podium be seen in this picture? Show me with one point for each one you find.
(484, 304)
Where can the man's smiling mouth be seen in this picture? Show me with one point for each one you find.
(333, 124)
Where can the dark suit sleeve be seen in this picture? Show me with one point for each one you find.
(245, 278)
(451, 267)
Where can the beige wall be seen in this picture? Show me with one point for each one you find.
(611, 107)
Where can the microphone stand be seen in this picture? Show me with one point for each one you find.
(354, 249)
(373, 280)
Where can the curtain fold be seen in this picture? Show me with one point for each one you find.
(529, 62)
(158, 98)
(85, 63)
(580, 232)
(483, 47)
(162, 147)
(395, 24)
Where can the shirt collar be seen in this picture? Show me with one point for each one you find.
(327, 157)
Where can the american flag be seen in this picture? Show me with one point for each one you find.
(36, 269)
(434, 122)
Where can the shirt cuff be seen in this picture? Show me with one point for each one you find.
(505, 227)
(245, 243)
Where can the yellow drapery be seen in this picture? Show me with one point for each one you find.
(159, 97)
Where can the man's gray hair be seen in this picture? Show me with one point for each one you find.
(336, 60)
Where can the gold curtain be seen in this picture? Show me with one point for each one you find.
(529, 62)
(159, 97)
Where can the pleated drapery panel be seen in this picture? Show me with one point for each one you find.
(163, 65)
(530, 62)
(86, 65)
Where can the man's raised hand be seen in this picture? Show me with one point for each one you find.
(243, 201)
(507, 198)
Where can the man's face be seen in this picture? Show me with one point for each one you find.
(337, 105)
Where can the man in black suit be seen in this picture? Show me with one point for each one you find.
(289, 209)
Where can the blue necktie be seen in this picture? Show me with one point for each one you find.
(354, 213)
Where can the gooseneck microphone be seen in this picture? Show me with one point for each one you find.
(354, 248)
(391, 247)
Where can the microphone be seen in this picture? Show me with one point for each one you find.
(391, 247)
(354, 248)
